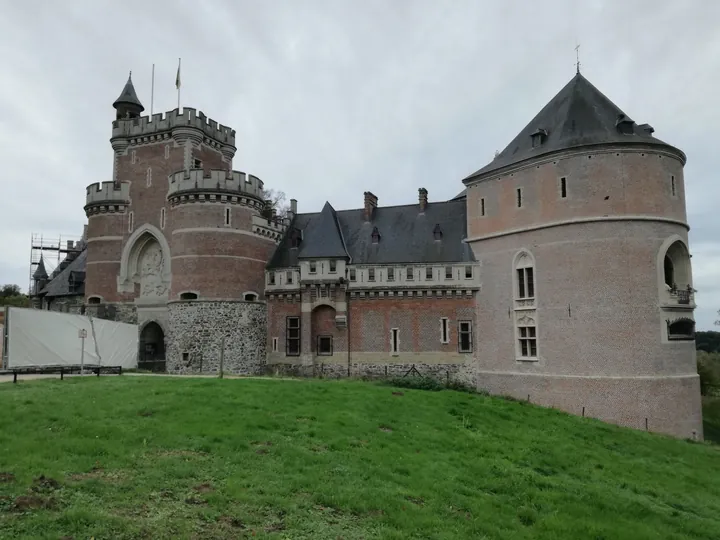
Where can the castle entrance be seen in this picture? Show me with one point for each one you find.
(151, 355)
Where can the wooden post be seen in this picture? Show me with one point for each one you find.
(222, 356)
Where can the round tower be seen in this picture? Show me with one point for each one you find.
(581, 229)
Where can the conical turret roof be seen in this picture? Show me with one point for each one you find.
(579, 115)
(128, 95)
(40, 272)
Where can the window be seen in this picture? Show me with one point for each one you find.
(271, 278)
(133, 157)
(186, 357)
(528, 341)
(409, 273)
(682, 329)
(333, 267)
(371, 274)
(468, 272)
(563, 187)
(292, 336)
(526, 283)
(250, 297)
(465, 336)
(274, 344)
(375, 235)
(437, 232)
(167, 151)
(162, 218)
(352, 274)
(391, 274)
(672, 184)
(197, 164)
(148, 177)
(448, 272)
(93, 300)
(519, 197)
(130, 222)
(482, 206)
(227, 217)
(289, 277)
(428, 272)
(444, 337)
(676, 270)
(188, 296)
(313, 267)
(324, 346)
(394, 341)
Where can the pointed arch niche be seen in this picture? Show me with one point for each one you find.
(675, 273)
(145, 263)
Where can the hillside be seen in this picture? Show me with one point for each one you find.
(148, 457)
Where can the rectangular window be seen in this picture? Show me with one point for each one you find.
(526, 283)
(275, 344)
(162, 218)
(271, 278)
(371, 274)
(444, 337)
(448, 272)
(289, 277)
(352, 274)
(227, 216)
(333, 267)
(313, 267)
(324, 345)
(672, 184)
(292, 336)
(468, 272)
(197, 164)
(409, 274)
(519, 197)
(482, 206)
(528, 341)
(428, 272)
(391, 274)
(394, 341)
(465, 336)
(563, 187)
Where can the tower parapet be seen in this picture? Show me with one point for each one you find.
(220, 185)
(152, 128)
(107, 197)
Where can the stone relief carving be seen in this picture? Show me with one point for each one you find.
(151, 271)
(526, 320)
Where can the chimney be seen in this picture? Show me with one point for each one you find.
(370, 205)
(70, 244)
(84, 235)
(422, 198)
(293, 208)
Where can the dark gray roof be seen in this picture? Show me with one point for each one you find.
(40, 272)
(579, 115)
(128, 95)
(461, 195)
(70, 280)
(406, 235)
(323, 236)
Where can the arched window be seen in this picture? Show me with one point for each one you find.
(94, 300)
(250, 297)
(676, 266)
(524, 276)
(188, 296)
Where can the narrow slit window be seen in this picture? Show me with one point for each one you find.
(482, 206)
(563, 187)
(444, 338)
(394, 341)
(519, 198)
(130, 222)
(672, 184)
(292, 336)
(227, 216)
(167, 151)
(162, 218)
(275, 344)
(148, 177)
(465, 336)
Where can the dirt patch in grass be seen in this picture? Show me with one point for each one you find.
(417, 500)
(98, 473)
(181, 453)
(234, 522)
(43, 484)
(195, 500)
(24, 503)
(385, 428)
(398, 393)
(204, 488)
(6, 477)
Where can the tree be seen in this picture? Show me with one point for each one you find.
(10, 290)
(11, 295)
(278, 201)
(718, 321)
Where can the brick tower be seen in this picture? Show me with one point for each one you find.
(581, 230)
(178, 241)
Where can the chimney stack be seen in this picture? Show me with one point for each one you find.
(70, 244)
(370, 205)
(422, 198)
(293, 208)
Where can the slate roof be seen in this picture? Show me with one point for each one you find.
(406, 235)
(323, 236)
(40, 272)
(62, 282)
(128, 95)
(579, 115)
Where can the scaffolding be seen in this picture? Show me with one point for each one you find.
(52, 250)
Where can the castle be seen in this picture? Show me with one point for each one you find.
(560, 274)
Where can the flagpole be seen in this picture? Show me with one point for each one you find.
(177, 82)
(152, 91)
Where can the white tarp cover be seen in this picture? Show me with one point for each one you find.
(46, 338)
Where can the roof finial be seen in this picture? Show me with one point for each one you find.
(577, 58)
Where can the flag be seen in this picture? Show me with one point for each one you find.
(177, 77)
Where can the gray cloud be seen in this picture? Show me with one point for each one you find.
(331, 98)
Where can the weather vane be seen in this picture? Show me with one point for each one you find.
(577, 57)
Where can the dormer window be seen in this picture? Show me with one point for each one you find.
(624, 124)
(437, 232)
(539, 136)
(375, 235)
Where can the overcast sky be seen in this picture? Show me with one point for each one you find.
(330, 98)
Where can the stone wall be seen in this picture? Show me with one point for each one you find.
(196, 331)
(64, 304)
(125, 313)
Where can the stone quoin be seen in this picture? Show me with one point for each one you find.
(560, 274)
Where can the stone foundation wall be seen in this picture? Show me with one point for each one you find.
(669, 405)
(64, 304)
(195, 336)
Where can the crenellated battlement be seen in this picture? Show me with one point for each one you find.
(197, 182)
(148, 126)
(106, 197)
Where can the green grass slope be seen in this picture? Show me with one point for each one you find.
(148, 457)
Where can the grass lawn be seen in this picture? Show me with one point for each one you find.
(150, 457)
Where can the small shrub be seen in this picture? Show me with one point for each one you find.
(418, 383)
(708, 367)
